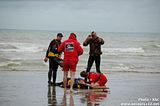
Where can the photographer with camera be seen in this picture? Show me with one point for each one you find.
(95, 52)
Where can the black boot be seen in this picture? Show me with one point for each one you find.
(49, 83)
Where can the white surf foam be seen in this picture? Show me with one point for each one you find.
(21, 47)
(118, 51)
(123, 50)
(156, 45)
(9, 63)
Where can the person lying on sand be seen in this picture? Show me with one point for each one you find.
(76, 85)
(96, 80)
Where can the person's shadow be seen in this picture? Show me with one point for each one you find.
(52, 96)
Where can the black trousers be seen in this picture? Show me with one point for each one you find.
(53, 66)
(97, 60)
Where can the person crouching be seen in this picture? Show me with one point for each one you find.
(96, 80)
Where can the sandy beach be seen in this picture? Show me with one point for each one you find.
(29, 88)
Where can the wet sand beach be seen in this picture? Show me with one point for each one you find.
(29, 88)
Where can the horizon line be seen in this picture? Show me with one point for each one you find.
(76, 30)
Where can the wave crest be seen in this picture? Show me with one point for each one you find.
(123, 50)
(20, 47)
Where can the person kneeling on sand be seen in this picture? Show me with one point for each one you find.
(96, 80)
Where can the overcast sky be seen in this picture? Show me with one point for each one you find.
(81, 15)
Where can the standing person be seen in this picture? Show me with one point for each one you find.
(72, 49)
(95, 51)
(54, 57)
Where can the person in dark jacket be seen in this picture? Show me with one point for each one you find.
(95, 52)
(54, 58)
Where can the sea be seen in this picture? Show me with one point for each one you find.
(123, 52)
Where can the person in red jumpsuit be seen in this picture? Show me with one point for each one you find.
(72, 50)
(96, 80)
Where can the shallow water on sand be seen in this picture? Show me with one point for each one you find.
(29, 88)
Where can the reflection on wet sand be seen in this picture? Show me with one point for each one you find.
(52, 99)
(92, 97)
(87, 97)
(52, 96)
(71, 100)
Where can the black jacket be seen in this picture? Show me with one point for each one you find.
(53, 47)
(95, 45)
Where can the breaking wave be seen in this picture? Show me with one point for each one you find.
(20, 47)
(123, 50)
(126, 51)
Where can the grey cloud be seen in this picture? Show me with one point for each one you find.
(102, 15)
